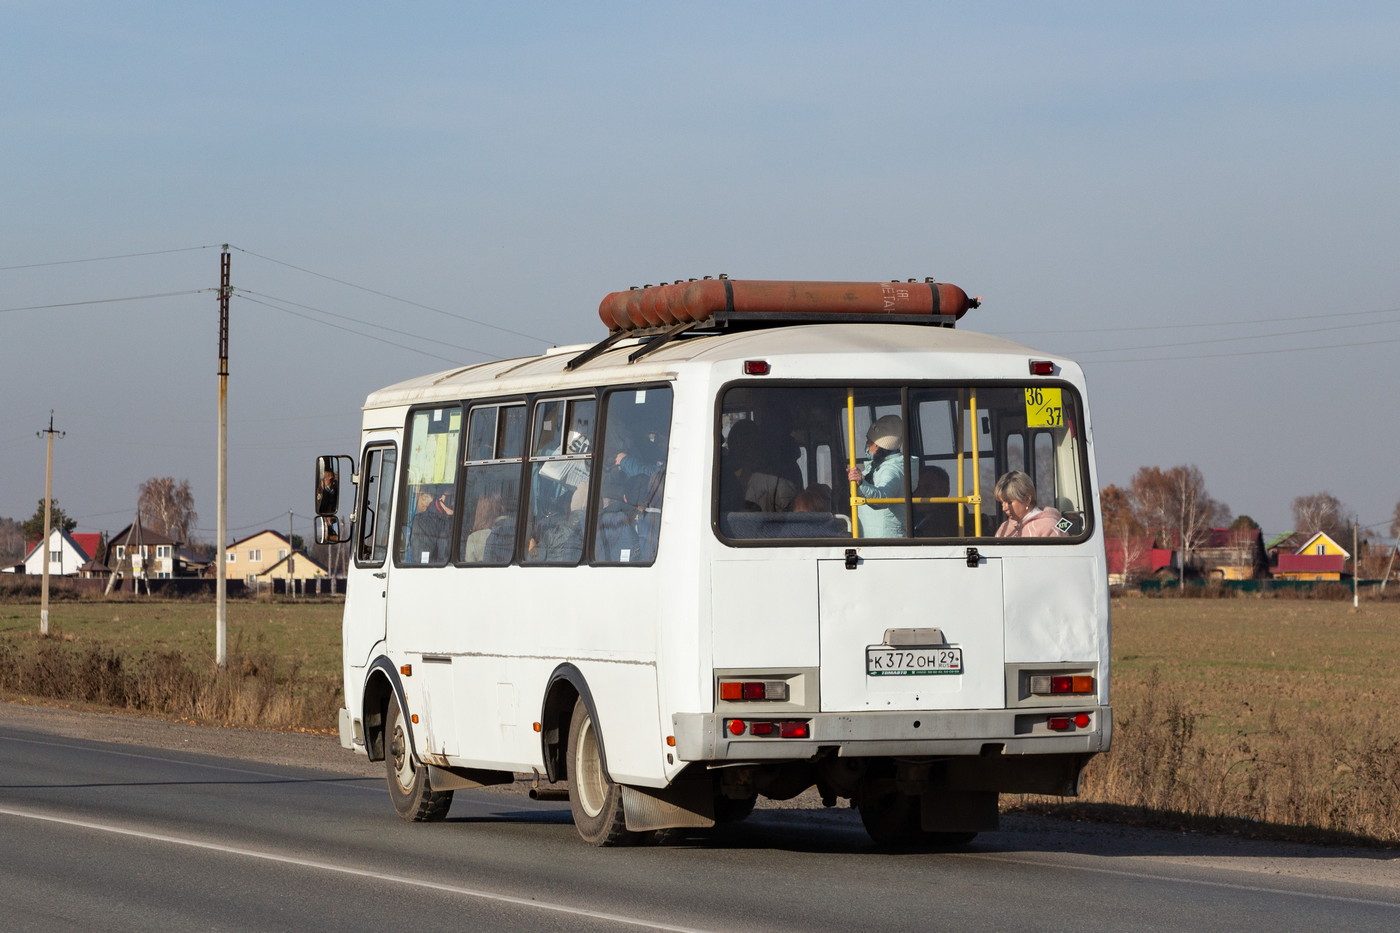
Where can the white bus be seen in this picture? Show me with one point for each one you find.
(646, 574)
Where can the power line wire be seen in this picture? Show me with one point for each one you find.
(346, 317)
(67, 262)
(100, 301)
(1215, 340)
(350, 330)
(1209, 356)
(416, 304)
(1198, 326)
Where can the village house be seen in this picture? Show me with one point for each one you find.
(254, 555)
(1136, 558)
(1232, 554)
(138, 551)
(67, 553)
(1316, 558)
(302, 568)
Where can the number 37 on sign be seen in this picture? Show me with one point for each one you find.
(1044, 408)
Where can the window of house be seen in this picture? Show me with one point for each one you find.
(121, 552)
(281, 553)
(55, 557)
(163, 550)
(232, 557)
(255, 554)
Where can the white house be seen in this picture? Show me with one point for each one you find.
(66, 553)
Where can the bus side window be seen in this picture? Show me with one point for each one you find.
(628, 523)
(491, 493)
(560, 469)
(377, 492)
(427, 505)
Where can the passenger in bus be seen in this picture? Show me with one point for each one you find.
(617, 534)
(934, 519)
(748, 483)
(644, 495)
(1024, 519)
(558, 537)
(489, 508)
(882, 477)
(427, 540)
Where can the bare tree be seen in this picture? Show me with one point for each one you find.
(1323, 512)
(1122, 527)
(11, 541)
(1395, 522)
(167, 506)
(1175, 506)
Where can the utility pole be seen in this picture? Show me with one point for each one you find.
(1355, 566)
(221, 524)
(291, 557)
(48, 526)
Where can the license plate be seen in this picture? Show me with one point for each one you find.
(884, 661)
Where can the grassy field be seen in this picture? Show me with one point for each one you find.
(1246, 711)
(158, 656)
(1251, 715)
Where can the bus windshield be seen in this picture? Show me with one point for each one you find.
(902, 461)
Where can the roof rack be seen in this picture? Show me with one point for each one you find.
(668, 311)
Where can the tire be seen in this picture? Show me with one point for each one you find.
(413, 797)
(596, 801)
(893, 820)
(728, 810)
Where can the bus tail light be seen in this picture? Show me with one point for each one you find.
(756, 368)
(1066, 723)
(740, 690)
(1062, 684)
(1042, 368)
(783, 729)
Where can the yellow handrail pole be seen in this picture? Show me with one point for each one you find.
(962, 478)
(976, 469)
(851, 438)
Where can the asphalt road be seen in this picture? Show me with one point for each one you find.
(218, 830)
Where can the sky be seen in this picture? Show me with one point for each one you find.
(1200, 202)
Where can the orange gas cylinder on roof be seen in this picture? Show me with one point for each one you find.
(779, 302)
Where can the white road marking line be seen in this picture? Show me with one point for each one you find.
(1150, 876)
(375, 875)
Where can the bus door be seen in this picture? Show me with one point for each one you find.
(911, 633)
(366, 599)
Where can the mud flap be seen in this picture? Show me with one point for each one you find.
(958, 811)
(683, 804)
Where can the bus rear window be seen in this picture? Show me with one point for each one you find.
(901, 463)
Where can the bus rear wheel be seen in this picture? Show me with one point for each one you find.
(413, 797)
(893, 820)
(594, 798)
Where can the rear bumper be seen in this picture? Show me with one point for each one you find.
(935, 733)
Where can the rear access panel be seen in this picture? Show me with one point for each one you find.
(858, 606)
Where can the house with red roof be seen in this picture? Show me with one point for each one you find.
(1232, 554)
(1317, 558)
(67, 553)
(1134, 558)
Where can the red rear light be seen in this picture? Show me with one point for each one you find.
(738, 690)
(1067, 683)
(756, 367)
(735, 727)
(1042, 368)
(1082, 720)
(793, 730)
(760, 728)
(1059, 723)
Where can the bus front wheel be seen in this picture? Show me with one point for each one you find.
(596, 801)
(413, 797)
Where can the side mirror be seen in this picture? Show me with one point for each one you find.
(327, 486)
(327, 529)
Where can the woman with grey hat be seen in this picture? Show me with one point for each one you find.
(882, 478)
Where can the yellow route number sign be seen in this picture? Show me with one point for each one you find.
(1044, 408)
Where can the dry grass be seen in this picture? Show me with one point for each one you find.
(1255, 715)
(158, 656)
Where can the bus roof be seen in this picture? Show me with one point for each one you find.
(867, 351)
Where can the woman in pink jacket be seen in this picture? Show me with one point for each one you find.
(1024, 519)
